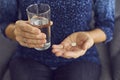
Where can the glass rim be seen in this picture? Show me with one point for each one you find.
(38, 4)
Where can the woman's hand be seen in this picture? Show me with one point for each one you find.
(74, 45)
(29, 36)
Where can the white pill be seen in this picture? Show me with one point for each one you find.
(73, 44)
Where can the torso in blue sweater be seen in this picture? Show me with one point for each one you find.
(68, 16)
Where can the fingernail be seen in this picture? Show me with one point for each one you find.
(45, 41)
(38, 36)
(44, 36)
(61, 46)
(42, 45)
(36, 30)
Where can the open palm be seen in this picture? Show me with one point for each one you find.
(74, 45)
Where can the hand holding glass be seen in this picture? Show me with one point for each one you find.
(39, 16)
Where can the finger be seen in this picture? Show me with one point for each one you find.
(65, 55)
(86, 44)
(31, 41)
(31, 45)
(74, 54)
(68, 54)
(19, 32)
(60, 49)
(57, 46)
(57, 50)
(66, 45)
(33, 36)
(59, 54)
(35, 42)
(38, 46)
(24, 26)
(35, 46)
(23, 44)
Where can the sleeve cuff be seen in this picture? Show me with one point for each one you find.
(2, 29)
(109, 34)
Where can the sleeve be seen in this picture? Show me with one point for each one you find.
(8, 14)
(104, 17)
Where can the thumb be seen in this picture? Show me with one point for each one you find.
(85, 45)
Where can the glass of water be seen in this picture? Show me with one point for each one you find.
(39, 16)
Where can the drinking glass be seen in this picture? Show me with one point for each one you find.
(39, 16)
